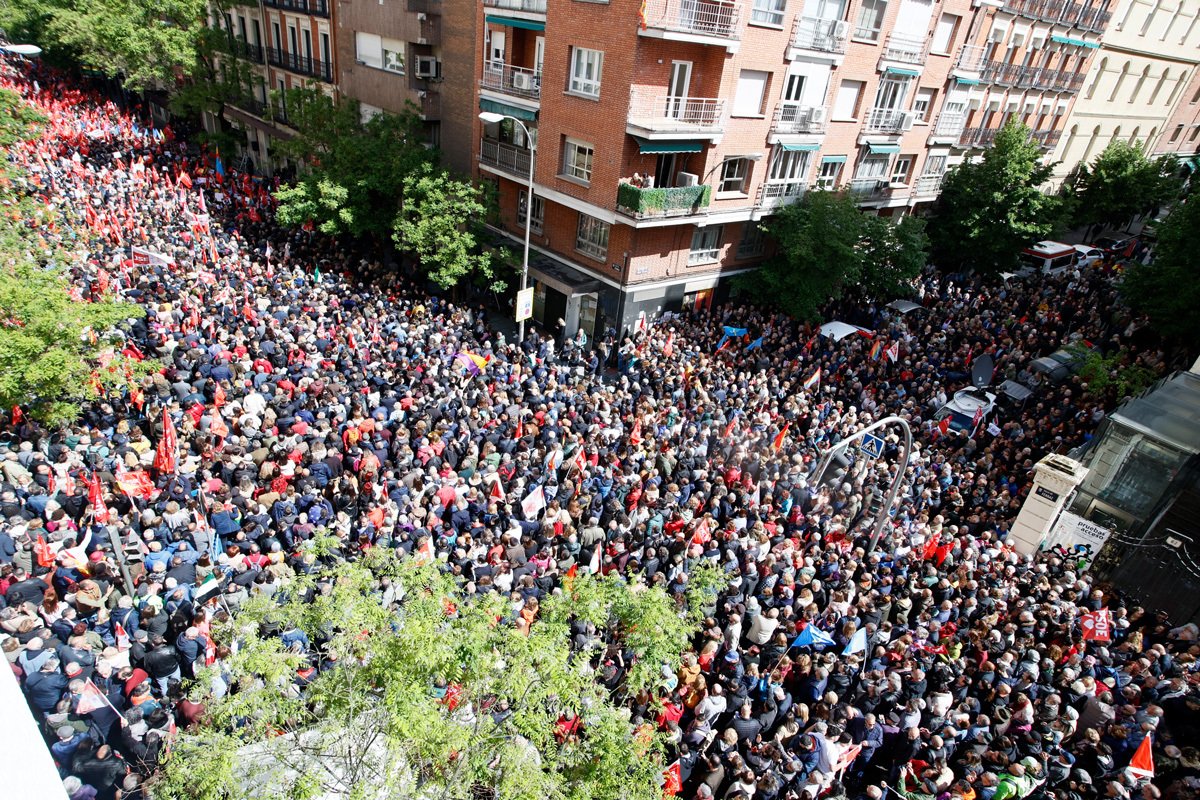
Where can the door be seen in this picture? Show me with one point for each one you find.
(587, 316)
(496, 51)
(664, 171)
(293, 45)
(308, 44)
(325, 47)
(793, 90)
(278, 38)
(539, 54)
(824, 9)
(677, 89)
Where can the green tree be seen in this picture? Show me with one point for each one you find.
(989, 209)
(55, 351)
(825, 245)
(354, 172)
(407, 710)
(1167, 289)
(1122, 182)
(437, 224)
(1115, 376)
(149, 42)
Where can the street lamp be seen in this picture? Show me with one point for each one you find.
(492, 118)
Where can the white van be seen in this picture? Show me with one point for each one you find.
(1048, 258)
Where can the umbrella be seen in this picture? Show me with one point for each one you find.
(840, 330)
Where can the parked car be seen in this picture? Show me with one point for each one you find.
(1047, 258)
(1088, 254)
(1059, 365)
(966, 409)
(1118, 245)
(1012, 395)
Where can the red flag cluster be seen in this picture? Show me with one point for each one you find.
(166, 457)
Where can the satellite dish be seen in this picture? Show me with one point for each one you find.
(981, 371)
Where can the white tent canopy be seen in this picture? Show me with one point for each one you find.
(29, 50)
(904, 306)
(840, 330)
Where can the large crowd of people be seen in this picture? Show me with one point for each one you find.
(309, 390)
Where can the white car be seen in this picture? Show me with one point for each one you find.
(1088, 254)
(964, 409)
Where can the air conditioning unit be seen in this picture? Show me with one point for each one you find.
(907, 119)
(428, 67)
(841, 29)
(816, 116)
(522, 81)
(687, 179)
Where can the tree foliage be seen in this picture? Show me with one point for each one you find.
(404, 706)
(55, 350)
(825, 245)
(149, 42)
(989, 209)
(1122, 182)
(1167, 289)
(1117, 375)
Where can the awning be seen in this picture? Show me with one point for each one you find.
(833, 159)
(966, 81)
(515, 22)
(1076, 42)
(908, 73)
(1193, 163)
(883, 149)
(800, 148)
(646, 146)
(507, 110)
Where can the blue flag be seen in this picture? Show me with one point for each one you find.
(756, 343)
(735, 332)
(812, 636)
(857, 643)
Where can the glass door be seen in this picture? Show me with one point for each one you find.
(678, 88)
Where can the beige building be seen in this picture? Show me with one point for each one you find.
(1138, 79)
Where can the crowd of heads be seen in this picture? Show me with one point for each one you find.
(314, 392)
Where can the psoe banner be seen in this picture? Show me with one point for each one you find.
(1081, 538)
(144, 258)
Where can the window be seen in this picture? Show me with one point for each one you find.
(393, 56)
(831, 173)
(706, 246)
(891, 93)
(1177, 132)
(935, 165)
(901, 169)
(870, 19)
(592, 237)
(943, 35)
(586, 66)
(369, 49)
(733, 175)
(325, 47)
(789, 166)
(751, 88)
(539, 212)
(768, 12)
(872, 168)
(1195, 133)
(577, 159)
(923, 103)
(753, 242)
(845, 106)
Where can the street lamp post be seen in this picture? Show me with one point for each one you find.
(492, 118)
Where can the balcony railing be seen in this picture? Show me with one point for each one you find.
(1061, 11)
(927, 186)
(515, 81)
(243, 49)
(822, 35)
(430, 104)
(868, 187)
(530, 6)
(1047, 139)
(884, 120)
(675, 201)
(795, 118)
(313, 67)
(970, 58)
(771, 195)
(904, 49)
(270, 111)
(977, 137)
(949, 124)
(676, 114)
(1001, 73)
(505, 156)
(716, 18)
(318, 8)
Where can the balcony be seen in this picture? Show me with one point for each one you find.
(1047, 139)
(817, 35)
(774, 195)
(793, 118)
(318, 8)
(888, 120)
(927, 186)
(675, 116)
(1001, 74)
(1062, 12)
(676, 201)
(505, 157)
(513, 81)
(970, 58)
(868, 188)
(243, 49)
(900, 49)
(312, 67)
(949, 125)
(430, 104)
(977, 137)
(267, 111)
(715, 22)
(528, 6)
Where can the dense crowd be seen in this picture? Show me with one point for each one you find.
(309, 390)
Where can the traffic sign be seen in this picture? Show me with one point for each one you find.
(524, 304)
(871, 445)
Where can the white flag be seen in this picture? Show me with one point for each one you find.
(533, 503)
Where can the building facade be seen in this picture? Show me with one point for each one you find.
(1137, 88)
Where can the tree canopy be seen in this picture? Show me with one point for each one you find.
(425, 692)
(826, 245)
(989, 209)
(1167, 289)
(1122, 182)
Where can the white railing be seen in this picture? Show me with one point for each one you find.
(883, 119)
(717, 18)
(904, 49)
(949, 124)
(507, 157)
(781, 194)
(795, 118)
(665, 113)
(970, 58)
(868, 186)
(824, 35)
(532, 6)
(507, 79)
(927, 185)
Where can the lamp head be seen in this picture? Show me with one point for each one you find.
(491, 117)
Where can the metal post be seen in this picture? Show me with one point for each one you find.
(528, 220)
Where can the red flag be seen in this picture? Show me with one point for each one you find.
(944, 426)
(729, 428)
(701, 535)
(121, 636)
(496, 492)
(18, 416)
(185, 180)
(779, 437)
(96, 500)
(1142, 764)
(930, 548)
(1097, 625)
(635, 435)
(90, 699)
(166, 458)
(196, 412)
(669, 347)
(135, 484)
(44, 553)
(219, 396)
(672, 777)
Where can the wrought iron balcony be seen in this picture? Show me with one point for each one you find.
(904, 49)
(674, 201)
(977, 137)
(510, 80)
(791, 118)
(303, 65)
(716, 18)
(529, 6)
(684, 115)
(887, 120)
(773, 195)
(822, 35)
(970, 58)
(318, 8)
(243, 49)
(504, 156)
(927, 186)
